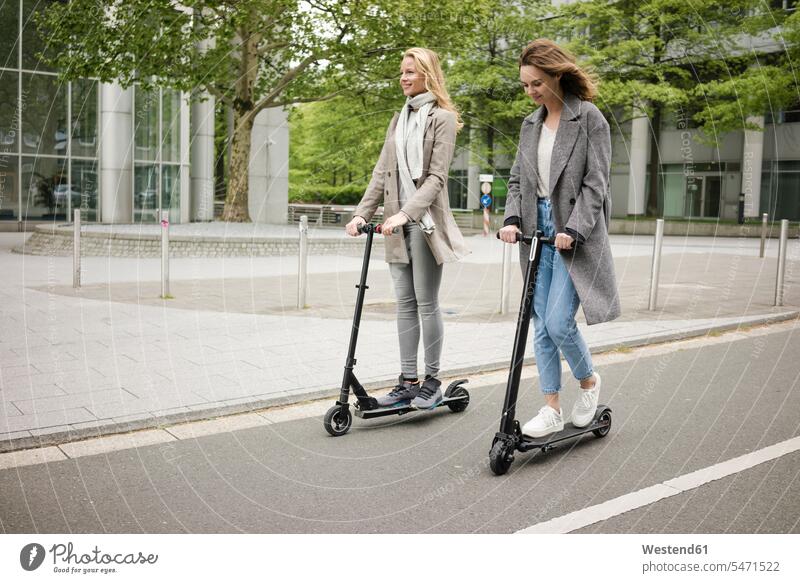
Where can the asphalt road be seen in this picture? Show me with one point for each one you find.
(677, 409)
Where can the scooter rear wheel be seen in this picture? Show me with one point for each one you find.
(603, 431)
(460, 405)
(338, 420)
(500, 458)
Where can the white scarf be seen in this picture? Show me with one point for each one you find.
(408, 141)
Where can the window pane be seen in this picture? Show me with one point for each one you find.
(171, 191)
(787, 201)
(9, 112)
(788, 165)
(44, 188)
(9, 188)
(145, 194)
(673, 195)
(34, 43)
(9, 24)
(44, 115)
(499, 190)
(84, 118)
(146, 124)
(84, 188)
(170, 120)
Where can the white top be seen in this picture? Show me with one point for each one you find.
(547, 138)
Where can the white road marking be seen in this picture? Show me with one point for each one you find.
(645, 496)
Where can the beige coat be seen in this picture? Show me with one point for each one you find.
(446, 242)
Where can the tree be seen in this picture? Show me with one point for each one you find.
(249, 54)
(335, 144)
(484, 76)
(657, 55)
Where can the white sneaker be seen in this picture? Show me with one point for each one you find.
(546, 422)
(585, 407)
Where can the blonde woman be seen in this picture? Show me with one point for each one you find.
(559, 185)
(410, 179)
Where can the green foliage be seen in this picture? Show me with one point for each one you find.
(669, 55)
(729, 101)
(484, 76)
(334, 146)
(250, 54)
(339, 138)
(673, 54)
(310, 193)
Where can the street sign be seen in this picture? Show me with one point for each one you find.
(486, 200)
(485, 178)
(486, 188)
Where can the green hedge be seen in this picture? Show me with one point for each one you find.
(346, 194)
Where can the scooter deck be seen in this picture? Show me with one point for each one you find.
(402, 409)
(548, 441)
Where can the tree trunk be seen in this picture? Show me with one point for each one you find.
(490, 147)
(236, 208)
(246, 47)
(220, 160)
(655, 162)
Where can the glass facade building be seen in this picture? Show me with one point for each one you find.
(51, 137)
(48, 129)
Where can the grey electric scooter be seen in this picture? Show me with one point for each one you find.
(339, 419)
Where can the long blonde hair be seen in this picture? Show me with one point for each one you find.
(552, 59)
(427, 63)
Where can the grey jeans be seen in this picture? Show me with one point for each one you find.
(416, 286)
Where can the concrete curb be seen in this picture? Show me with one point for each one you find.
(57, 241)
(248, 405)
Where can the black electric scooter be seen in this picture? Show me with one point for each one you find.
(510, 438)
(339, 419)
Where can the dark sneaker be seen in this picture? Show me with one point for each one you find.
(430, 395)
(401, 395)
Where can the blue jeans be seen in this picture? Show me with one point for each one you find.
(555, 303)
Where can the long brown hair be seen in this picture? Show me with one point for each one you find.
(552, 59)
(427, 63)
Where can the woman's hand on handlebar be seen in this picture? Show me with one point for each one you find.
(393, 223)
(508, 234)
(352, 226)
(563, 241)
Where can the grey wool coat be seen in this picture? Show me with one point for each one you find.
(446, 242)
(580, 170)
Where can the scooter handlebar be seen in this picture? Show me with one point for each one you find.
(528, 240)
(367, 227)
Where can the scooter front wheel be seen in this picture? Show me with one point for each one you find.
(338, 420)
(500, 458)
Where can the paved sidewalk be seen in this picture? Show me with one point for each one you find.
(113, 357)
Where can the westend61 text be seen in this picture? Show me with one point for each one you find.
(670, 550)
(64, 552)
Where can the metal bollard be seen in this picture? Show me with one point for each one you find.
(505, 283)
(655, 270)
(76, 249)
(302, 267)
(763, 234)
(781, 262)
(165, 255)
